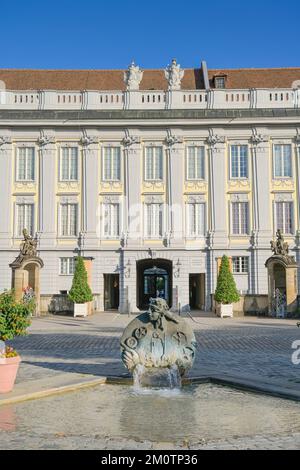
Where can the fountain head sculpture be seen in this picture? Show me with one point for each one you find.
(158, 347)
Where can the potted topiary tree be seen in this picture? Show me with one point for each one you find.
(14, 320)
(226, 292)
(80, 292)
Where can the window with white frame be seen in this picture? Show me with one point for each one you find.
(69, 219)
(66, 266)
(153, 220)
(282, 161)
(153, 163)
(25, 218)
(239, 218)
(240, 264)
(284, 216)
(25, 164)
(111, 163)
(111, 220)
(196, 219)
(69, 164)
(239, 161)
(195, 162)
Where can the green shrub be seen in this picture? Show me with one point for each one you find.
(14, 316)
(80, 292)
(226, 291)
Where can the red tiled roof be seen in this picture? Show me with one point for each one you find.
(18, 79)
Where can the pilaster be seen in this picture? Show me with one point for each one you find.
(6, 165)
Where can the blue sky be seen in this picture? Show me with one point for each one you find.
(108, 34)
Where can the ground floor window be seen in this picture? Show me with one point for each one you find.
(240, 264)
(66, 266)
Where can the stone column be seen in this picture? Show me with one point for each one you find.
(46, 191)
(175, 190)
(133, 207)
(6, 165)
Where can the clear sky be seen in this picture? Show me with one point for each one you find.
(108, 34)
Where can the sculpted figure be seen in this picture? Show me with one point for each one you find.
(28, 246)
(280, 247)
(133, 77)
(174, 74)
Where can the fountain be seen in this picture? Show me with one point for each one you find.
(158, 347)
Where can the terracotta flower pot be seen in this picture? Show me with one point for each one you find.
(8, 371)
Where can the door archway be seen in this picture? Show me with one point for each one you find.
(154, 279)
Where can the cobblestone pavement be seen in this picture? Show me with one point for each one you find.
(249, 347)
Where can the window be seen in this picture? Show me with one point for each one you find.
(111, 222)
(219, 82)
(153, 163)
(112, 164)
(69, 164)
(283, 161)
(195, 163)
(196, 219)
(24, 219)
(68, 222)
(25, 164)
(66, 266)
(284, 217)
(239, 161)
(239, 218)
(154, 220)
(240, 264)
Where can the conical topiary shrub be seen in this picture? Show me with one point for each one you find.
(226, 291)
(80, 292)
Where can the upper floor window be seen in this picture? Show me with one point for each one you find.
(240, 264)
(239, 161)
(69, 164)
(25, 218)
(69, 219)
(284, 216)
(220, 82)
(283, 161)
(153, 220)
(195, 163)
(25, 164)
(66, 266)
(196, 219)
(111, 221)
(239, 217)
(153, 163)
(112, 164)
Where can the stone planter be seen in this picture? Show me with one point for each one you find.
(8, 371)
(80, 310)
(225, 310)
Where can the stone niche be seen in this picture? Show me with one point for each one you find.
(282, 277)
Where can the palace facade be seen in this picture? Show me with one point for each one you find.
(151, 175)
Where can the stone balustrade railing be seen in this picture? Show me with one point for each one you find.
(151, 99)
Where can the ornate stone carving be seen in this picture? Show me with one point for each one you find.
(133, 77)
(171, 140)
(5, 139)
(214, 139)
(87, 140)
(279, 247)
(44, 140)
(257, 138)
(174, 74)
(158, 340)
(130, 140)
(28, 246)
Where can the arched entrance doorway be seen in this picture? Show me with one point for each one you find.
(154, 279)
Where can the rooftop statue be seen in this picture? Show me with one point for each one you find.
(174, 74)
(133, 77)
(157, 342)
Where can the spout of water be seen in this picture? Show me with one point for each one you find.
(160, 377)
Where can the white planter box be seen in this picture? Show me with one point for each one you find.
(80, 310)
(225, 310)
